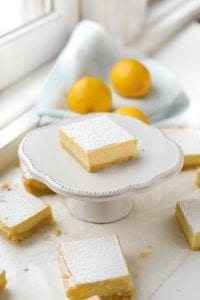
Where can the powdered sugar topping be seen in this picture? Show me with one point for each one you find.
(96, 133)
(191, 211)
(17, 206)
(93, 260)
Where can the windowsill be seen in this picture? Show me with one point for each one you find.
(18, 112)
(22, 96)
(17, 104)
(12, 134)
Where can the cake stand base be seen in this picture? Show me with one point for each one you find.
(100, 212)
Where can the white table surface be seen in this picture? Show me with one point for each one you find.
(171, 271)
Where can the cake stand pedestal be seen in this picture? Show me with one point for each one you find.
(100, 212)
(104, 196)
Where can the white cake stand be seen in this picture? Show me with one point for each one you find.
(104, 196)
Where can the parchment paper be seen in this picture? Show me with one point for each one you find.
(152, 242)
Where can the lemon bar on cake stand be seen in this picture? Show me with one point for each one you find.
(98, 143)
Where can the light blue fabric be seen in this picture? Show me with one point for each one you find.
(91, 51)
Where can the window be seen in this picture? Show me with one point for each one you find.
(31, 33)
(16, 13)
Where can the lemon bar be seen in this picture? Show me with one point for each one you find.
(188, 216)
(3, 280)
(189, 141)
(21, 214)
(198, 177)
(95, 267)
(98, 142)
(34, 186)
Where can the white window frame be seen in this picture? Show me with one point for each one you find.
(164, 20)
(32, 45)
(23, 58)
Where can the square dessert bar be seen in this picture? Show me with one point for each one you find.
(36, 187)
(21, 214)
(188, 216)
(198, 177)
(189, 141)
(95, 267)
(3, 280)
(32, 185)
(98, 142)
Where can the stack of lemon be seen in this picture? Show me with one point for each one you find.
(129, 78)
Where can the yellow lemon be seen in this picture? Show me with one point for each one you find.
(130, 78)
(133, 112)
(89, 94)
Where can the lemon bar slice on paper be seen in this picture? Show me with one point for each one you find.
(21, 214)
(189, 141)
(95, 267)
(198, 177)
(3, 280)
(188, 216)
(32, 185)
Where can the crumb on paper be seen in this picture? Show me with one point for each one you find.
(46, 237)
(141, 215)
(136, 276)
(5, 186)
(26, 270)
(17, 164)
(145, 254)
(150, 247)
(58, 231)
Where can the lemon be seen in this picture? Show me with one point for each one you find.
(89, 94)
(133, 112)
(130, 78)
